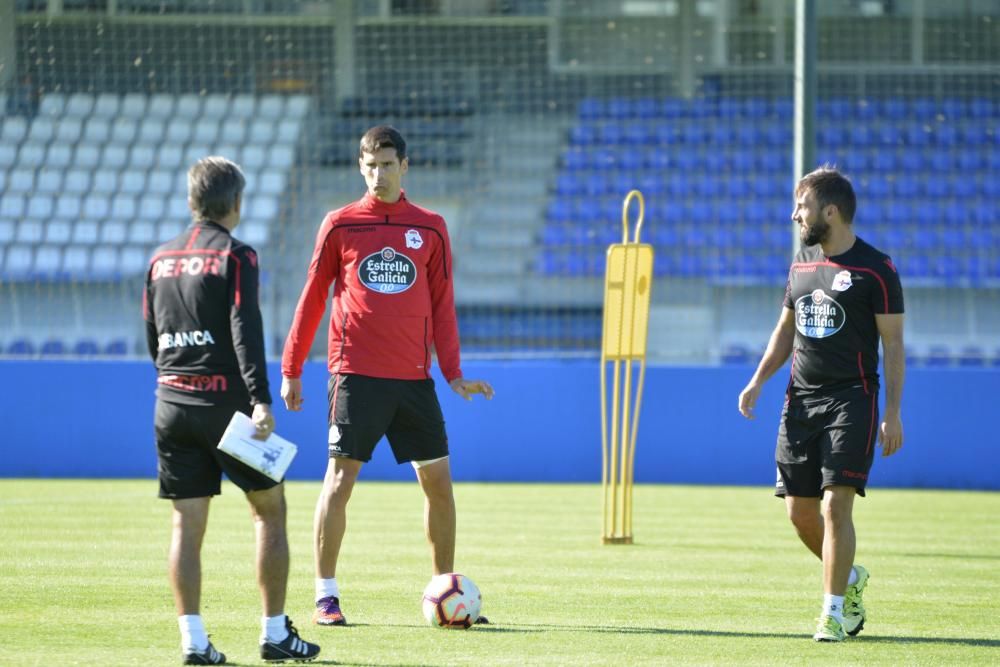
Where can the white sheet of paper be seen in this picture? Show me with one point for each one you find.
(270, 457)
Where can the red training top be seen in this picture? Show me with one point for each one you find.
(392, 296)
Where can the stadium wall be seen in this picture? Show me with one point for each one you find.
(94, 419)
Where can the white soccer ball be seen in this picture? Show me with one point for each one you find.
(452, 601)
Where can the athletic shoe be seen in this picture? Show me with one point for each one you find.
(482, 620)
(829, 630)
(207, 657)
(291, 648)
(854, 609)
(328, 612)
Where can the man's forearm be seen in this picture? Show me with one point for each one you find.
(779, 347)
(895, 370)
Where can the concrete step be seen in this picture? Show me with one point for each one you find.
(491, 262)
(518, 187)
(503, 238)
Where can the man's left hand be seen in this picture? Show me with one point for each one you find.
(891, 434)
(263, 421)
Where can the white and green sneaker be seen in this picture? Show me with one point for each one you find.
(854, 609)
(829, 629)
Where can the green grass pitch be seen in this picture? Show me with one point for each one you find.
(716, 576)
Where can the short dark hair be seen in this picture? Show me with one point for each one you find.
(383, 136)
(214, 185)
(830, 187)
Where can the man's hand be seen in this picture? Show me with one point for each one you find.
(891, 434)
(263, 421)
(748, 399)
(466, 388)
(291, 393)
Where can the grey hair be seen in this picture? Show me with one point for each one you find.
(214, 185)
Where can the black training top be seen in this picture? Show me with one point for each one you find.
(835, 300)
(203, 323)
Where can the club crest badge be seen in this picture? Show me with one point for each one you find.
(842, 282)
(413, 239)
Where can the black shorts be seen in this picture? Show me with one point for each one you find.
(407, 412)
(188, 460)
(826, 443)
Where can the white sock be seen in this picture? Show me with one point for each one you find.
(273, 628)
(193, 637)
(853, 579)
(833, 605)
(326, 588)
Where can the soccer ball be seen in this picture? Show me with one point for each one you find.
(452, 601)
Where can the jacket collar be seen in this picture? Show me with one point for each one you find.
(371, 203)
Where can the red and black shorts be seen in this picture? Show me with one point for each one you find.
(829, 442)
(189, 462)
(406, 412)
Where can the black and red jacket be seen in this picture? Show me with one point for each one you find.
(393, 295)
(203, 322)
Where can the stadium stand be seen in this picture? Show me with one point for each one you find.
(92, 183)
(713, 168)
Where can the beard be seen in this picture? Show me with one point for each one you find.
(814, 233)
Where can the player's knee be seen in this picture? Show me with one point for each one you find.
(268, 505)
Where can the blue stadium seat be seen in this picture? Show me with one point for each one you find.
(860, 136)
(604, 158)
(945, 135)
(889, 135)
(923, 108)
(973, 135)
(568, 184)
(647, 108)
(590, 108)
(982, 107)
(893, 108)
(673, 107)
(630, 160)
(610, 133)
(972, 356)
(885, 161)
(938, 355)
(747, 134)
(963, 187)
(694, 134)
(53, 347)
(85, 347)
(619, 108)
(583, 134)
(116, 348)
(574, 159)
(736, 354)
(865, 109)
(21, 347)
(783, 109)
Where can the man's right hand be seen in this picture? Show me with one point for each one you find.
(748, 399)
(291, 393)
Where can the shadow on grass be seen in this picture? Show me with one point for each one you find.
(639, 630)
(960, 556)
(495, 628)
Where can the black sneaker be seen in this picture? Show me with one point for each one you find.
(207, 657)
(482, 620)
(292, 648)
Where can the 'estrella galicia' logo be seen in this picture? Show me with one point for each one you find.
(818, 316)
(387, 272)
